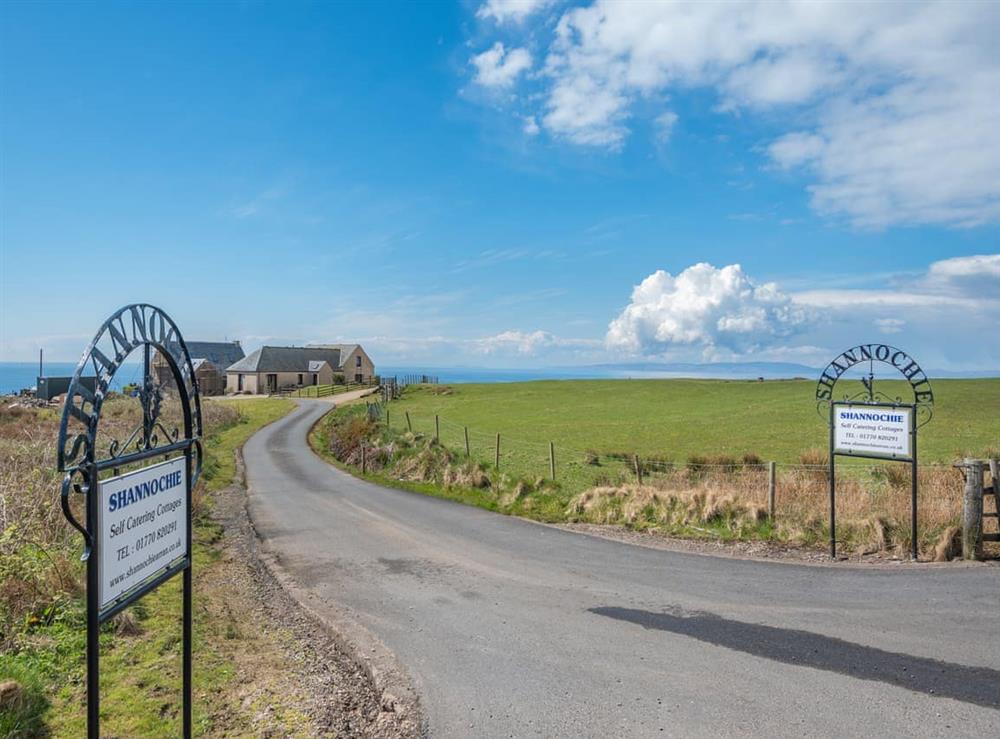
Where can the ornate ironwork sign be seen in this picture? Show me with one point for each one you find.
(873, 424)
(137, 531)
(903, 363)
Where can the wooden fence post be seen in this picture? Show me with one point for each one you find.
(638, 468)
(771, 485)
(552, 459)
(468, 452)
(364, 459)
(409, 425)
(972, 510)
(387, 416)
(437, 428)
(497, 462)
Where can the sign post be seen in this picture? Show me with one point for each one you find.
(137, 528)
(871, 424)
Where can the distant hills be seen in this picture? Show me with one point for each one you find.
(749, 370)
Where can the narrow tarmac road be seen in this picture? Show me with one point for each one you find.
(510, 628)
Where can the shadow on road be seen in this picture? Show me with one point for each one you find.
(977, 685)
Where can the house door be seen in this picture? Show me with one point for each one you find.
(315, 379)
(272, 383)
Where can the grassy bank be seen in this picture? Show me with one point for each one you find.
(42, 613)
(702, 449)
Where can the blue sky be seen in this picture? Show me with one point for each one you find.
(501, 184)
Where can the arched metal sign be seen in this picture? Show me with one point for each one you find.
(873, 424)
(137, 527)
(923, 395)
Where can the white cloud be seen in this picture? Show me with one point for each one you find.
(896, 106)
(970, 283)
(529, 343)
(510, 10)
(665, 123)
(531, 125)
(889, 325)
(713, 309)
(796, 149)
(499, 67)
(973, 276)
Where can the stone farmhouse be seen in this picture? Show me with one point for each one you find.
(209, 358)
(273, 368)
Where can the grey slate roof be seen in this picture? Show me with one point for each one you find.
(345, 349)
(285, 359)
(220, 353)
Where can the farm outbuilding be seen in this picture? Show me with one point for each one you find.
(210, 359)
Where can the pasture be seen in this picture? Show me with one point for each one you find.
(679, 419)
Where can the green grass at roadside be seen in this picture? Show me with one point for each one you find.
(417, 464)
(140, 653)
(319, 441)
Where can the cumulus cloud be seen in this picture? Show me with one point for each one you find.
(510, 10)
(895, 104)
(714, 309)
(499, 67)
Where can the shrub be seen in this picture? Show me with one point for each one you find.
(814, 457)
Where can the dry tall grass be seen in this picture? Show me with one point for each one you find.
(873, 502)
(39, 551)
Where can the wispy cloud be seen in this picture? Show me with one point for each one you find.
(894, 105)
(257, 204)
(492, 257)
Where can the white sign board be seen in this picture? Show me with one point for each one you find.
(142, 526)
(872, 431)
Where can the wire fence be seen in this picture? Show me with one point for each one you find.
(794, 490)
(322, 391)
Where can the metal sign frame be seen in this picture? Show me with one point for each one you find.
(921, 411)
(144, 327)
(911, 459)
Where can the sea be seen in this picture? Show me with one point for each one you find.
(16, 376)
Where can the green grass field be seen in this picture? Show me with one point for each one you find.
(674, 419)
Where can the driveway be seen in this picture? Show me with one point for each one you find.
(510, 628)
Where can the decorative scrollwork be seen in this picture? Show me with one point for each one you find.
(130, 328)
(138, 326)
(923, 395)
(81, 488)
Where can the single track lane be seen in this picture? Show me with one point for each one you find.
(511, 628)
